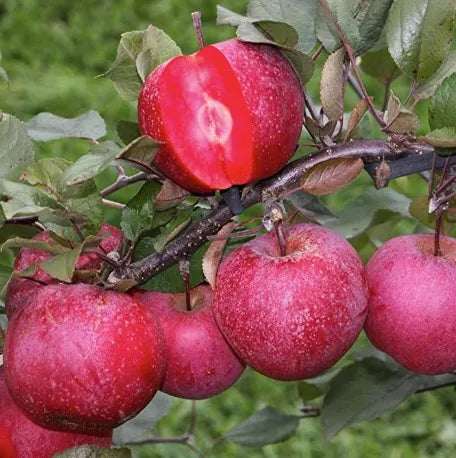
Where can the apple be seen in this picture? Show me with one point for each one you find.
(292, 317)
(229, 114)
(21, 438)
(412, 303)
(20, 290)
(84, 359)
(201, 364)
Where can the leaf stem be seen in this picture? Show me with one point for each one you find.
(198, 26)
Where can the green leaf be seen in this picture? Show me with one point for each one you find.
(380, 65)
(332, 85)
(428, 87)
(128, 131)
(141, 425)
(228, 17)
(310, 206)
(139, 213)
(442, 110)
(441, 138)
(16, 148)
(419, 35)
(142, 149)
(47, 126)
(123, 73)
(357, 216)
(267, 426)
(171, 229)
(308, 391)
(405, 122)
(6, 272)
(303, 65)
(269, 32)
(62, 266)
(157, 48)
(19, 242)
(87, 451)
(364, 391)
(419, 209)
(86, 167)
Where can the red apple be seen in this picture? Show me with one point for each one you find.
(229, 114)
(80, 358)
(20, 290)
(21, 438)
(412, 304)
(292, 317)
(201, 364)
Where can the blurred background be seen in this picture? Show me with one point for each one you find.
(52, 51)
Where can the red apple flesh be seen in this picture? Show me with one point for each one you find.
(412, 304)
(21, 438)
(292, 317)
(201, 364)
(20, 290)
(229, 114)
(80, 358)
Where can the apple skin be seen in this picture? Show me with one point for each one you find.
(201, 364)
(21, 438)
(20, 290)
(80, 358)
(230, 114)
(292, 317)
(412, 303)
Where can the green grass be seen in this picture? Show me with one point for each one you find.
(53, 51)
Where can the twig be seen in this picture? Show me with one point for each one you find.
(123, 181)
(318, 52)
(310, 105)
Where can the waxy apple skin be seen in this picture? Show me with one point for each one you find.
(201, 364)
(20, 290)
(229, 114)
(412, 302)
(292, 317)
(84, 359)
(21, 438)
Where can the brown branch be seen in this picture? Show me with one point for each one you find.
(371, 151)
(123, 181)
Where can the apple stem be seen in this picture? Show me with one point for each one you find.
(184, 270)
(280, 238)
(438, 223)
(197, 25)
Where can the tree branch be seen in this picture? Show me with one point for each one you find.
(416, 158)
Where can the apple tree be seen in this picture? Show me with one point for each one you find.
(261, 231)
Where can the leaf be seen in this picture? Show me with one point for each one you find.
(427, 88)
(331, 175)
(419, 35)
(392, 109)
(419, 209)
(296, 13)
(355, 117)
(6, 273)
(310, 206)
(47, 126)
(308, 391)
(267, 426)
(380, 65)
(90, 165)
(87, 451)
(46, 174)
(228, 17)
(214, 253)
(172, 229)
(357, 216)
(19, 242)
(441, 138)
(405, 122)
(128, 131)
(442, 112)
(145, 421)
(281, 33)
(123, 73)
(303, 65)
(157, 48)
(139, 213)
(325, 31)
(170, 195)
(16, 148)
(332, 85)
(142, 149)
(364, 391)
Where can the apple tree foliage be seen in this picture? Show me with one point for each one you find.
(163, 224)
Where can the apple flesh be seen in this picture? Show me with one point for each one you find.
(201, 364)
(21, 438)
(229, 114)
(20, 290)
(292, 317)
(80, 358)
(412, 303)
